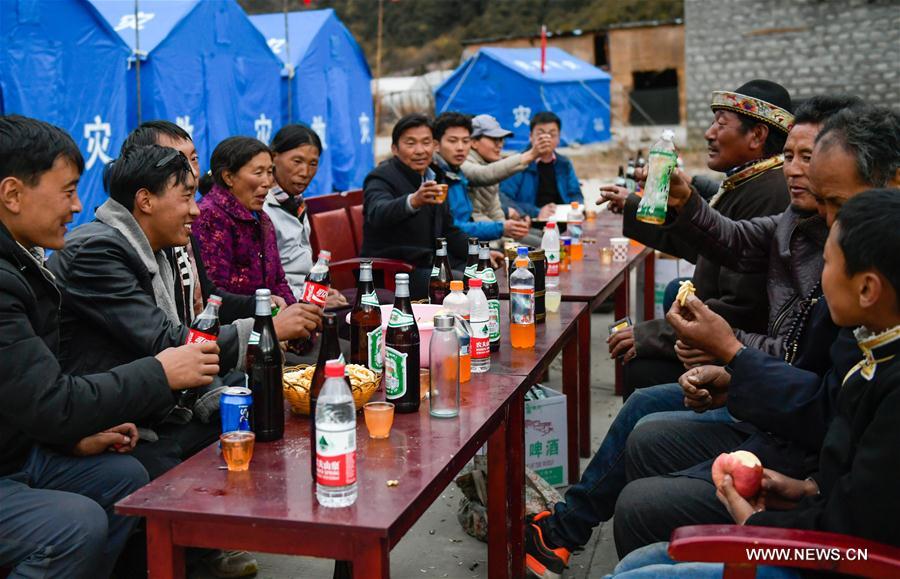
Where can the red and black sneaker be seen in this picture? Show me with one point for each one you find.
(541, 560)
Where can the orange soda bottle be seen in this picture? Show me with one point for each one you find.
(521, 305)
(574, 228)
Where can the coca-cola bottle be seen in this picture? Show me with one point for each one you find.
(441, 275)
(265, 362)
(330, 349)
(471, 270)
(318, 282)
(205, 328)
(365, 323)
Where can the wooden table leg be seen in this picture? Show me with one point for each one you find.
(371, 558)
(165, 560)
(584, 383)
(515, 491)
(570, 389)
(498, 486)
(650, 286)
(621, 299)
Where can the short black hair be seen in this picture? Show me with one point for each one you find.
(869, 236)
(296, 135)
(230, 155)
(451, 119)
(151, 167)
(544, 117)
(408, 122)
(149, 133)
(816, 110)
(29, 147)
(775, 140)
(872, 135)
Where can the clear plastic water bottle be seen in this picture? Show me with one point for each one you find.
(458, 303)
(480, 342)
(335, 440)
(550, 245)
(443, 352)
(663, 159)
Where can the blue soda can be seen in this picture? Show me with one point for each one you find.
(234, 407)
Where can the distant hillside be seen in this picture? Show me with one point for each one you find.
(422, 35)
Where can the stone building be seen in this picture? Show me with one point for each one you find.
(809, 46)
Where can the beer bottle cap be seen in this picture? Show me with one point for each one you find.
(475, 282)
(334, 369)
(456, 286)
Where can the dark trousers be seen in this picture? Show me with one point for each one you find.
(646, 372)
(56, 515)
(654, 502)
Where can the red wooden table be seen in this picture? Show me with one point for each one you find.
(272, 508)
(588, 281)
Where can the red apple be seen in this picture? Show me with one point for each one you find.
(745, 469)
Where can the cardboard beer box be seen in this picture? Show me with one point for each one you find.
(546, 443)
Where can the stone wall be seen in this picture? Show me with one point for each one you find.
(809, 46)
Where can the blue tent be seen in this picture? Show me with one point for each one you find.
(327, 85)
(508, 84)
(62, 63)
(203, 66)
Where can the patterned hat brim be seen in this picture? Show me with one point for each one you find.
(753, 107)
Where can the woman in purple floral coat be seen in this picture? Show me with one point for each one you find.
(237, 239)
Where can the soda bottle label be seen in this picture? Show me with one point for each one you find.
(521, 305)
(488, 275)
(314, 293)
(400, 319)
(198, 337)
(480, 343)
(654, 205)
(376, 359)
(471, 270)
(394, 373)
(494, 322)
(552, 264)
(336, 455)
(370, 299)
(435, 272)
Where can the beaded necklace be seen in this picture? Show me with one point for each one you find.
(792, 338)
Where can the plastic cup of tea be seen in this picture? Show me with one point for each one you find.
(606, 255)
(443, 194)
(379, 418)
(620, 248)
(237, 449)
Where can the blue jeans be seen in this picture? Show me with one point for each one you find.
(57, 515)
(593, 499)
(653, 562)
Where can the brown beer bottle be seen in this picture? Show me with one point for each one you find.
(401, 352)
(329, 349)
(471, 262)
(491, 290)
(441, 276)
(365, 323)
(264, 367)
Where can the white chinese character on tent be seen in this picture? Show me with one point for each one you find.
(263, 128)
(318, 125)
(97, 134)
(185, 123)
(599, 125)
(276, 44)
(522, 114)
(128, 21)
(365, 130)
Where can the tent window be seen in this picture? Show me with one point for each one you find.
(656, 92)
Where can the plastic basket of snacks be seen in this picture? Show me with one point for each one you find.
(296, 381)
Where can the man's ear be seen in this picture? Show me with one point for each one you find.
(871, 288)
(394, 149)
(143, 201)
(758, 135)
(11, 191)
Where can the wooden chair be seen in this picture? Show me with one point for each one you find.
(331, 201)
(729, 544)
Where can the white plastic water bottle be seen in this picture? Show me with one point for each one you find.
(550, 245)
(480, 342)
(335, 440)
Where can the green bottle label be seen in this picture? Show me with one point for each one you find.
(395, 373)
(376, 359)
(494, 323)
(435, 272)
(488, 275)
(370, 299)
(400, 319)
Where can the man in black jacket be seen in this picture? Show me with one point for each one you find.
(404, 209)
(745, 140)
(53, 497)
